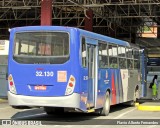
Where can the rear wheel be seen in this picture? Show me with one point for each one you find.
(135, 97)
(106, 108)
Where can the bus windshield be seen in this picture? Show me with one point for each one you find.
(41, 47)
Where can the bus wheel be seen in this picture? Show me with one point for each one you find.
(106, 108)
(135, 97)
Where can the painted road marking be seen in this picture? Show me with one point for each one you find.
(119, 116)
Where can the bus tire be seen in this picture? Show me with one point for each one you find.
(106, 108)
(135, 97)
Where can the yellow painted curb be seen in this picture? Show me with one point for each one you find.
(148, 108)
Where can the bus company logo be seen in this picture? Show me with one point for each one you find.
(40, 87)
(106, 74)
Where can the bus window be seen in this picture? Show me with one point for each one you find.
(130, 63)
(129, 52)
(136, 63)
(122, 63)
(114, 50)
(103, 55)
(122, 57)
(136, 56)
(44, 49)
(41, 47)
(83, 47)
(113, 63)
(110, 50)
(25, 47)
(121, 51)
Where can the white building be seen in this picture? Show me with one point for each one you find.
(4, 48)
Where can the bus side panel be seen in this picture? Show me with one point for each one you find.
(120, 86)
(104, 80)
(132, 82)
(75, 68)
(84, 93)
(116, 81)
(82, 73)
(124, 78)
(10, 50)
(116, 87)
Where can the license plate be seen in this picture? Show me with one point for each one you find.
(40, 87)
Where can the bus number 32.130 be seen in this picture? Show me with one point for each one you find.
(45, 73)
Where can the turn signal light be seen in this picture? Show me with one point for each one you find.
(10, 78)
(72, 79)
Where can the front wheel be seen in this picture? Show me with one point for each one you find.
(106, 107)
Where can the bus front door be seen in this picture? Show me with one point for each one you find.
(91, 62)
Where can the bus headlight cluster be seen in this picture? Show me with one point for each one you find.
(70, 85)
(11, 84)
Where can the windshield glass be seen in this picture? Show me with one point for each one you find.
(41, 47)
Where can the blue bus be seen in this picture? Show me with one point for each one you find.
(69, 69)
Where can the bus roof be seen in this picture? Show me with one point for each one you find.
(82, 32)
(104, 38)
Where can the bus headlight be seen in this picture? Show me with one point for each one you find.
(11, 84)
(70, 85)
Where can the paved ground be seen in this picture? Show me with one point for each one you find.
(119, 114)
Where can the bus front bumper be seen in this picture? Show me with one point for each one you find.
(71, 101)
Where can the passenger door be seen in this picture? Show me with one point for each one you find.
(92, 75)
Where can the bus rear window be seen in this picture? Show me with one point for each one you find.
(41, 47)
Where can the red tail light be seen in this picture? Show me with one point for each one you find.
(70, 84)
(11, 83)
